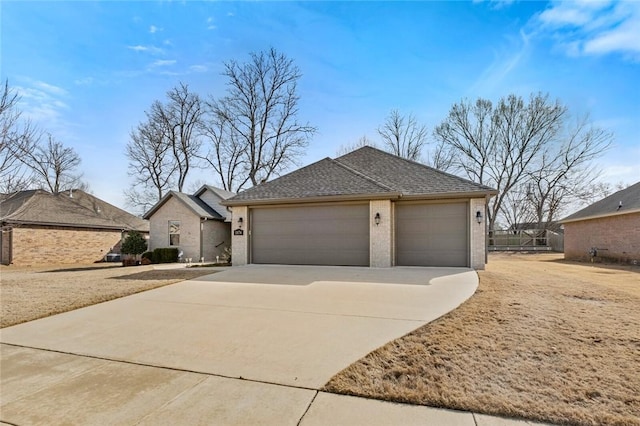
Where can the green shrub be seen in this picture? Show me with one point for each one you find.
(148, 255)
(134, 243)
(165, 255)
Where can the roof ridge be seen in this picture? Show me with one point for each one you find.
(362, 175)
(426, 166)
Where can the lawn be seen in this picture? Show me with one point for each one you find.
(542, 339)
(30, 293)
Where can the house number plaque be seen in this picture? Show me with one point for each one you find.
(238, 232)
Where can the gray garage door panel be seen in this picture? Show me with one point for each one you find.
(432, 234)
(319, 235)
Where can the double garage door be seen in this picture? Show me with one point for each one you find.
(338, 234)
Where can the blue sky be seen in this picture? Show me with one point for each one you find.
(87, 71)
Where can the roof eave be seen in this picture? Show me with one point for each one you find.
(72, 225)
(314, 199)
(598, 216)
(449, 195)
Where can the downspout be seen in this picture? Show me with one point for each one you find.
(202, 221)
(486, 229)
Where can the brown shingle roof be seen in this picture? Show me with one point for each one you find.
(365, 172)
(74, 209)
(621, 202)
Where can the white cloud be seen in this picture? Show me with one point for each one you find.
(153, 29)
(85, 81)
(150, 49)
(163, 63)
(594, 27)
(44, 104)
(198, 68)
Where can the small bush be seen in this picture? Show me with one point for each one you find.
(165, 255)
(134, 244)
(149, 256)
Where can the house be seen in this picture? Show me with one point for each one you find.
(39, 227)
(365, 208)
(199, 225)
(609, 228)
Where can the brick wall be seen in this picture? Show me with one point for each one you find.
(620, 235)
(381, 236)
(240, 243)
(59, 245)
(478, 233)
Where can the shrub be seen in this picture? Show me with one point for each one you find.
(134, 244)
(149, 256)
(165, 255)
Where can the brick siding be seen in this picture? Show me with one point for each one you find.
(60, 245)
(619, 235)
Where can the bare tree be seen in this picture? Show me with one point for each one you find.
(16, 136)
(497, 146)
(403, 135)
(226, 153)
(255, 125)
(151, 165)
(179, 119)
(363, 141)
(564, 173)
(162, 149)
(53, 165)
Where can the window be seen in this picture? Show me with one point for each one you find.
(174, 232)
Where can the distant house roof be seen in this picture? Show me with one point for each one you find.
(211, 209)
(364, 173)
(74, 208)
(622, 202)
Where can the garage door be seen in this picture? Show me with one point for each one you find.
(432, 234)
(311, 235)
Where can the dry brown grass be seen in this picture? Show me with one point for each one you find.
(36, 292)
(542, 339)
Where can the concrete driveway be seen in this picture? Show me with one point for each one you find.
(251, 344)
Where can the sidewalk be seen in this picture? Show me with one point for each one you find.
(45, 387)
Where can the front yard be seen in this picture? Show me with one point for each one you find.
(542, 339)
(28, 293)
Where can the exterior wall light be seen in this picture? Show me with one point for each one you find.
(240, 222)
(479, 216)
(377, 219)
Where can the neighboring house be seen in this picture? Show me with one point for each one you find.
(609, 228)
(198, 225)
(365, 208)
(39, 227)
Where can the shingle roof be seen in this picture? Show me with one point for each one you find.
(610, 206)
(74, 209)
(208, 210)
(365, 172)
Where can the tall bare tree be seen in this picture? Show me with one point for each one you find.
(403, 135)
(255, 125)
(497, 146)
(16, 136)
(163, 148)
(53, 165)
(564, 173)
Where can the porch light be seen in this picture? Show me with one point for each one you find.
(479, 216)
(377, 219)
(240, 222)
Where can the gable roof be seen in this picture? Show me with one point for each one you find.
(75, 208)
(610, 206)
(366, 173)
(211, 210)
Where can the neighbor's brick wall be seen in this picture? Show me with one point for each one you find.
(620, 235)
(174, 209)
(58, 245)
(381, 236)
(477, 233)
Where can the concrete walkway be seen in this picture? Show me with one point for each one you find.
(250, 345)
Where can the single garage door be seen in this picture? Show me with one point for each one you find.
(311, 235)
(432, 234)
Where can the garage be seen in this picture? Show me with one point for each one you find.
(430, 234)
(331, 234)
